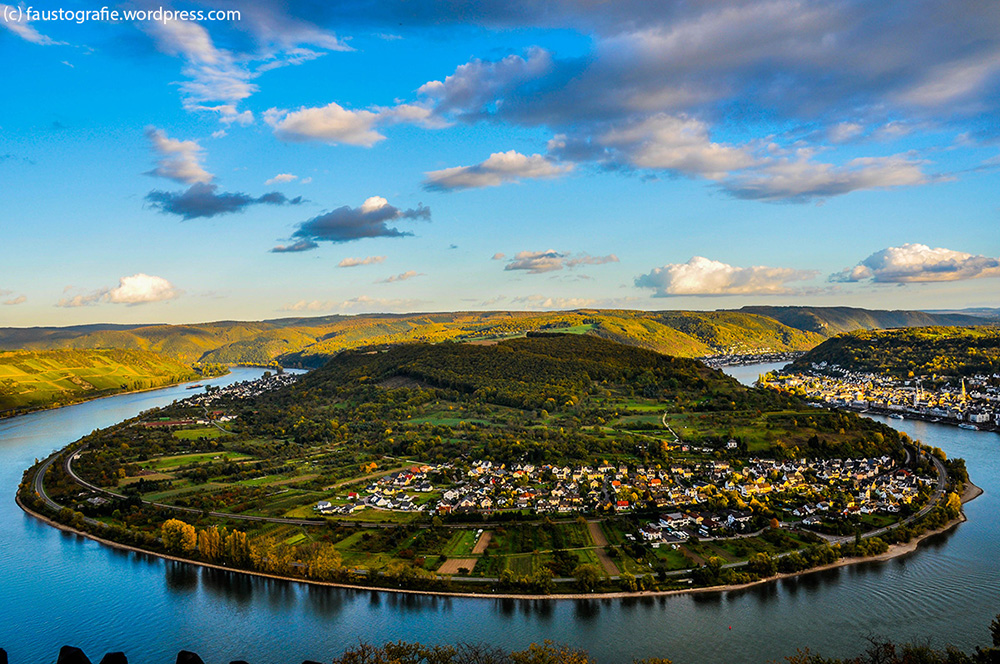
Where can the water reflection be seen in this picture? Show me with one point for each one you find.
(230, 586)
(326, 602)
(181, 578)
(586, 609)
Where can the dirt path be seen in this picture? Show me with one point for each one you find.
(484, 541)
(609, 565)
(596, 534)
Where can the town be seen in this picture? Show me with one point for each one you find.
(972, 403)
(697, 500)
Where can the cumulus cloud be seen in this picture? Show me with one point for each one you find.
(914, 263)
(333, 124)
(141, 289)
(680, 144)
(360, 304)
(370, 219)
(499, 256)
(704, 277)
(355, 262)
(499, 168)
(656, 91)
(538, 262)
(204, 200)
(803, 180)
(281, 177)
(409, 274)
(131, 291)
(179, 160)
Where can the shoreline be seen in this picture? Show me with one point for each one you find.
(970, 493)
(11, 415)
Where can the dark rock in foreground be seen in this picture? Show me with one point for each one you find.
(72, 655)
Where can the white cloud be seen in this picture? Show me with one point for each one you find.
(335, 124)
(355, 262)
(141, 289)
(701, 276)
(680, 144)
(281, 177)
(538, 262)
(331, 124)
(179, 160)
(914, 263)
(409, 274)
(499, 168)
(20, 299)
(802, 180)
(22, 28)
(217, 81)
(131, 290)
(499, 256)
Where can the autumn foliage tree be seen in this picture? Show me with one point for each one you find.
(178, 536)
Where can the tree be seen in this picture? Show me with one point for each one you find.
(237, 548)
(762, 565)
(587, 576)
(995, 631)
(210, 543)
(178, 536)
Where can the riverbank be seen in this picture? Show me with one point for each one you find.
(896, 550)
(9, 414)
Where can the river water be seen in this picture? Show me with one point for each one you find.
(58, 589)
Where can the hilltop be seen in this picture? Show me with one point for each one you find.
(830, 321)
(40, 379)
(942, 351)
(309, 342)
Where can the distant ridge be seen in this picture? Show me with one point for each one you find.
(309, 342)
(830, 321)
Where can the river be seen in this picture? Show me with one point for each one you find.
(58, 589)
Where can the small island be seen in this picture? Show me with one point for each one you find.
(551, 465)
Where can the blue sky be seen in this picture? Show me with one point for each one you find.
(313, 158)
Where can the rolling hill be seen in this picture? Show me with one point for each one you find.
(925, 351)
(40, 379)
(309, 342)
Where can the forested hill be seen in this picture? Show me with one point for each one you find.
(551, 371)
(309, 342)
(944, 351)
(829, 321)
(39, 379)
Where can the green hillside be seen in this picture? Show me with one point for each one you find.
(942, 351)
(40, 379)
(311, 341)
(830, 321)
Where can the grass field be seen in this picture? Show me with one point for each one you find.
(40, 379)
(199, 434)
